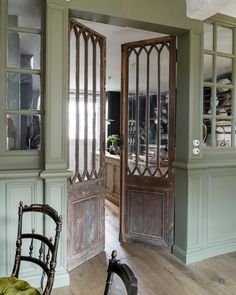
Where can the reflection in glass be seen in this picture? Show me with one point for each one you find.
(163, 152)
(224, 39)
(23, 91)
(223, 68)
(223, 133)
(25, 13)
(208, 36)
(208, 68)
(207, 132)
(142, 131)
(23, 50)
(207, 100)
(223, 106)
(23, 132)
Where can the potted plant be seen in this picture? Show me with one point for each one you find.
(114, 144)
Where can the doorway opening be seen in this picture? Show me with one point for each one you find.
(99, 117)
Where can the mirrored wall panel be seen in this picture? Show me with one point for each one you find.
(23, 132)
(25, 13)
(24, 50)
(23, 91)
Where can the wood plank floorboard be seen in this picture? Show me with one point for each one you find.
(158, 272)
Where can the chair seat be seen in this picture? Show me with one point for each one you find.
(14, 286)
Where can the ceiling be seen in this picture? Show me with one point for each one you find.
(202, 9)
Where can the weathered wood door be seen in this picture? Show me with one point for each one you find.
(86, 144)
(148, 135)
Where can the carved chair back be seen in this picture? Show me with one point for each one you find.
(124, 272)
(46, 256)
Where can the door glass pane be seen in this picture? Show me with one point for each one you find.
(23, 91)
(132, 109)
(224, 39)
(98, 107)
(90, 107)
(72, 131)
(223, 133)
(207, 132)
(153, 106)
(208, 36)
(25, 13)
(208, 68)
(142, 132)
(97, 132)
(164, 127)
(143, 152)
(23, 132)
(23, 50)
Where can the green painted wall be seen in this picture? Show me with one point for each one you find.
(205, 186)
(199, 232)
(165, 13)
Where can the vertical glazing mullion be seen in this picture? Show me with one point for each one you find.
(77, 93)
(137, 140)
(94, 106)
(86, 103)
(158, 105)
(147, 110)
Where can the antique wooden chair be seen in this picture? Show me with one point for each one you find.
(124, 272)
(45, 257)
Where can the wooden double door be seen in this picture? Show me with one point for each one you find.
(147, 142)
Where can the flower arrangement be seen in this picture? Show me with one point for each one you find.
(114, 141)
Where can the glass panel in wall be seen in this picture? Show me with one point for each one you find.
(208, 36)
(23, 50)
(25, 13)
(223, 69)
(224, 104)
(207, 101)
(23, 91)
(224, 39)
(207, 132)
(223, 133)
(208, 68)
(23, 132)
(218, 91)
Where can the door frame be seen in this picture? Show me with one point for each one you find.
(184, 133)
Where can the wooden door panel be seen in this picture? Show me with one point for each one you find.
(150, 216)
(86, 192)
(148, 136)
(149, 208)
(87, 229)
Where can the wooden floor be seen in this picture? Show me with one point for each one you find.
(157, 271)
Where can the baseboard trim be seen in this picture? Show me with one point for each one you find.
(199, 254)
(61, 280)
